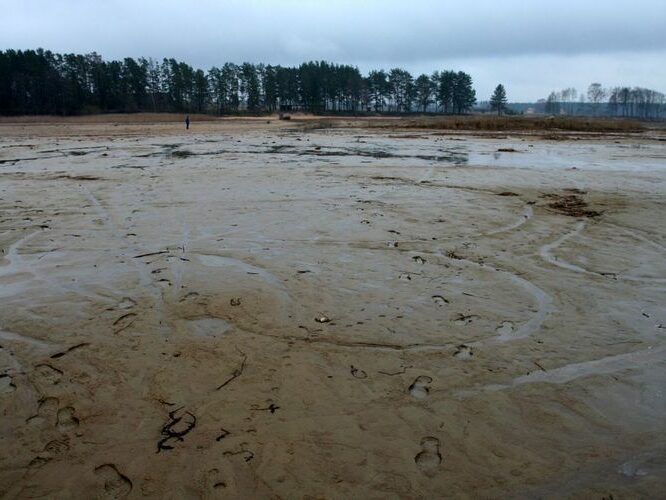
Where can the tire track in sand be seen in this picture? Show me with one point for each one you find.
(573, 371)
(145, 276)
(546, 253)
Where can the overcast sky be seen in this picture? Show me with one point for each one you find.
(531, 46)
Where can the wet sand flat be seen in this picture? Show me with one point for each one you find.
(263, 310)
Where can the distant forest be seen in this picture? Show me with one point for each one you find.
(35, 82)
(42, 82)
(634, 102)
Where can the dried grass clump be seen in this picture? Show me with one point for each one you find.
(520, 123)
(571, 205)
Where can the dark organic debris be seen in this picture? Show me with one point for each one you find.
(235, 302)
(539, 366)
(386, 178)
(79, 177)
(357, 372)
(182, 153)
(271, 407)
(150, 254)
(235, 374)
(507, 150)
(67, 351)
(571, 205)
(177, 427)
(507, 193)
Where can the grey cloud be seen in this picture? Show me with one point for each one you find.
(407, 33)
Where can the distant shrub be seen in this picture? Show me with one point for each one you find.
(519, 123)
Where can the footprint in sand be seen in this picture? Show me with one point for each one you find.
(36, 464)
(215, 480)
(429, 459)
(6, 384)
(357, 372)
(46, 411)
(47, 374)
(126, 303)
(464, 319)
(189, 296)
(420, 387)
(439, 300)
(57, 447)
(506, 328)
(124, 322)
(114, 483)
(66, 419)
(463, 352)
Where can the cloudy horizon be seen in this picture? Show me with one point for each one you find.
(531, 48)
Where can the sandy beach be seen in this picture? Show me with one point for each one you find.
(273, 309)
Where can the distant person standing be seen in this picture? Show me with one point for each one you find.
(187, 122)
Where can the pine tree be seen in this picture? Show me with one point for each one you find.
(498, 100)
(423, 90)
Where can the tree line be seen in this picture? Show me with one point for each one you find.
(43, 82)
(631, 102)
